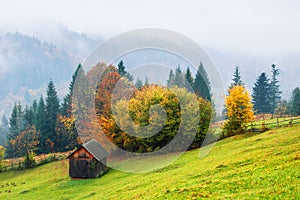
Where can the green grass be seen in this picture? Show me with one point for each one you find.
(250, 166)
(273, 123)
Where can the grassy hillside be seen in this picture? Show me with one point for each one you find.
(242, 167)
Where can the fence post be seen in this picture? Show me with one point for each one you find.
(277, 121)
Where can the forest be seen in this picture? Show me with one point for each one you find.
(48, 125)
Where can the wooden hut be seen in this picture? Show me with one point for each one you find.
(88, 161)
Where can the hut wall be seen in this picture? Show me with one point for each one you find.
(84, 165)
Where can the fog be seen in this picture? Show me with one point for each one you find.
(260, 27)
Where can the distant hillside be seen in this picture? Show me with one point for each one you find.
(27, 64)
(250, 166)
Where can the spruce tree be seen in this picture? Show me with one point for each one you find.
(3, 130)
(34, 109)
(179, 77)
(261, 94)
(16, 126)
(138, 83)
(275, 93)
(202, 84)
(13, 123)
(146, 81)
(42, 126)
(123, 72)
(66, 107)
(52, 111)
(236, 78)
(189, 78)
(295, 102)
(28, 116)
(171, 80)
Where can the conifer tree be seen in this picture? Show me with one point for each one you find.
(66, 107)
(261, 94)
(146, 81)
(202, 84)
(295, 102)
(3, 130)
(189, 78)
(52, 111)
(122, 71)
(179, 77)
(171, 80)
(42, 126)
(236, 78)
(275, 93)
(138, 83)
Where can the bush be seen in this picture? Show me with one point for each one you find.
(29, 161)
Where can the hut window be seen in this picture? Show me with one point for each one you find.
(83, 155)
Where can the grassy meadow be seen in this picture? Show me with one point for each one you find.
(249, 166)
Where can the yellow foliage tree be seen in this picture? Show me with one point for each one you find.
(239, 111)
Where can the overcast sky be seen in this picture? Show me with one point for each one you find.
(262, 27)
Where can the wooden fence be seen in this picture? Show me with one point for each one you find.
(18, 163)
(279, 122)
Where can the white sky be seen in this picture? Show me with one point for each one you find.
(262, 27)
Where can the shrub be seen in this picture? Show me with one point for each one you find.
(29, 160)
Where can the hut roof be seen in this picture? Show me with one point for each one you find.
(94, 148)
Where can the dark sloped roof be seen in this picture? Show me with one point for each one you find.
(94, 148)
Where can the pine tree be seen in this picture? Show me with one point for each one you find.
(28, 117)
(261, 94)
(16, 121)
(34, 109)
(123, 72)
(3, 130)
(52, 111)
(171, 80)
(202, 84)
(138, 83)
(179, 77)
(295, 102)
(42, 126)
(275, 93)
(189, 78)
(66, 107)
(236, 78)
(146, 81)
(16, 126)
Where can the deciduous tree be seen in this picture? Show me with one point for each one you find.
(239, 111)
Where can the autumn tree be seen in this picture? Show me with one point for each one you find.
(26, 141)
(67, 136)
(239, 111)
(2, 155)
(140, 115)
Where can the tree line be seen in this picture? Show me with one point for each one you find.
(44, 126)
(49, 126)
(240, 105)
(144, 96)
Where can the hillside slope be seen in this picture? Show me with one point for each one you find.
(241, 167)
